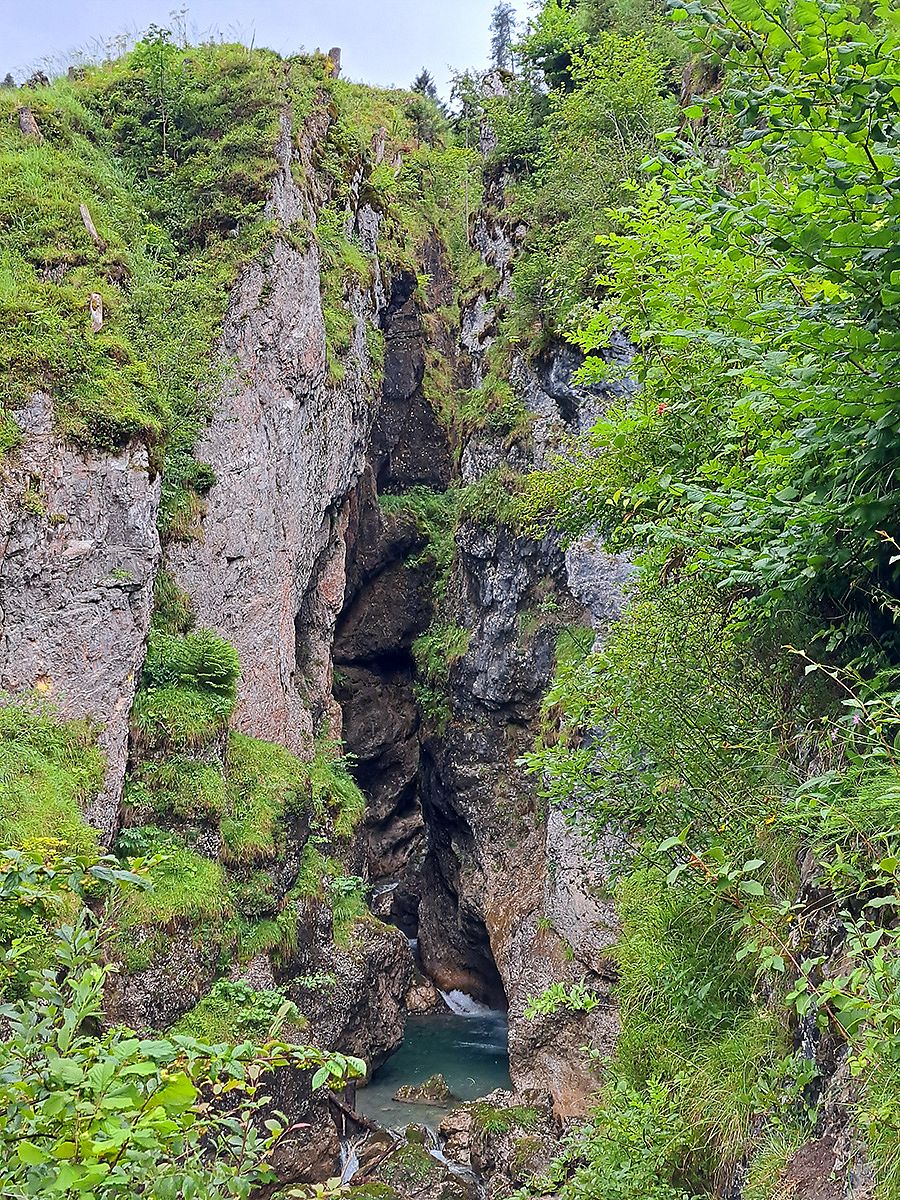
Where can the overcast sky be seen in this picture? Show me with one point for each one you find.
(383, 41)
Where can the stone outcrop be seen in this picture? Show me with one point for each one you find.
(387, 604)
(409, 447)
(286, 444)
(78, 554)
(507, 887)
(489, 891)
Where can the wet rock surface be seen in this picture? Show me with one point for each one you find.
(409, 446)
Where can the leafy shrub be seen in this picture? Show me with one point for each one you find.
(233, 1011)
(139, 1108)
(634, 1149)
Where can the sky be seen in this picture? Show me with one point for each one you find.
(383, 41)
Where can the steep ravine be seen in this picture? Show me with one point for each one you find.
(323, 594)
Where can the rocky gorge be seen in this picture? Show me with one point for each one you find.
(311, 558)
(448, 679)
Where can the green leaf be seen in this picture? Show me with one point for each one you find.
(31, 1154)
(751, 887)
(175, 1095)
(66, 1071)
(670, 844)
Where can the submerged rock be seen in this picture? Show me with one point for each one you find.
(433, 1091)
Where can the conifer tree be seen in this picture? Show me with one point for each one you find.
(503, 29)
(424, 84)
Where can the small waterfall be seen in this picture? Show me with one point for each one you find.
(349, 1158)
(384, 889)
(464, 1006)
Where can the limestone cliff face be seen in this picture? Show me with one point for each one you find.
(508, 891)
(80, 551)
(286, 444)
(78, 554)
(322, 595)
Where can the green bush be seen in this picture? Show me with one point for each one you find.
(233, 1011)
(138, 1108)
(633, 1149)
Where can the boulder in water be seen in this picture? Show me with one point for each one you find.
(433, 1091)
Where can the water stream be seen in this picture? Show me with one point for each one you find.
(466, 1044)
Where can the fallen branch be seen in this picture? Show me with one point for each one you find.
(353, 1115)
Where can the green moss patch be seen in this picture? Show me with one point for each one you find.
(48, 770)
(186, 886)
(171, 151)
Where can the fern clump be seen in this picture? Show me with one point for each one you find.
(48, 770)
(199, 660)
(188, 689)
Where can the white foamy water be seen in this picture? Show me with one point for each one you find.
(464, 1006)
(349, 1159)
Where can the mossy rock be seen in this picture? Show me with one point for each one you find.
(434, 1090)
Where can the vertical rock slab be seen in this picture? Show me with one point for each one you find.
(78, 554)
(286, 443)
